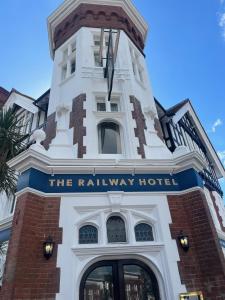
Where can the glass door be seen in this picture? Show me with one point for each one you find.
(119, 280)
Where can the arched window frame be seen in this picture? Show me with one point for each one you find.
(149, 224)
(107, 120)
(125, 225)
(87, 224)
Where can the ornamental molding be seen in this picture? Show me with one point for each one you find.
(42, 162)
(118, 250)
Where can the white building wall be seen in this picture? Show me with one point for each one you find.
(90, 80)
(161, 255)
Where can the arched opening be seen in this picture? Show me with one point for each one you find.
(116, 231)
(88, 234)
(143, 232)
(109, 138)
(119, 280)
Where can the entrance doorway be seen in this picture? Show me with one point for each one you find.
(119, 280)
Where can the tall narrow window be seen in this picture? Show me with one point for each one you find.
(109, 138)
(116, 231)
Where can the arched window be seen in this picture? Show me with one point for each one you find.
(109, 138)
(116, 231)
(88, 234)
(143, 232)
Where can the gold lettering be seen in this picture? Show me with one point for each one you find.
(142, 181)
(160, 181)
(90, 183)
(167, 181)
(113, 181)
(104, 183)
(151, 182)
(60, 182)
(123, 182)
(52, 182)
(69, 182)
(131, 181)
(174, 182)
(81, 182)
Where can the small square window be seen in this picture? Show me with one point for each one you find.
(101, 106)
(98, 62)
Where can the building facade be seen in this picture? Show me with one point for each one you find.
(126, 190)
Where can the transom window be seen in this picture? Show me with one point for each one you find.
(104, 105)
(109, 138)
(116, 231)
(143, 232)
(88, 234)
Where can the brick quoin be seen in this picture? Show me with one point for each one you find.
(203, 266)
(77, 116)
(28, 275)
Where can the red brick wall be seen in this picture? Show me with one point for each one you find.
(139, 131)
(50, 130)
(97, 16)
(28, 275)
(203, 266)
(77, 117)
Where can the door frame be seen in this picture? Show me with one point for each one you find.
(117, 275)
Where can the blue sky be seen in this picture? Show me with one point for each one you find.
(185, 52)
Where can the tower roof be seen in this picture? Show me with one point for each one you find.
(71, 15)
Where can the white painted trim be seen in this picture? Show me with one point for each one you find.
(70, 5)
(117, 249)
(176, 193)
(204, 137)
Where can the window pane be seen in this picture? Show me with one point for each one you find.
(109, 137)
(99, 284)
(101, 106)
(114, 107)
(143, 232)
(72, 66)
(64, 71)
(138, 283)
(116, 230)
(88, 235)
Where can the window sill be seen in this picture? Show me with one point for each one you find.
(108, 114)
(67, 79)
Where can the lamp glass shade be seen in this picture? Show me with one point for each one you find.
(48, 247)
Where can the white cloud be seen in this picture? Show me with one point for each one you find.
(217, 123)
(222, 23)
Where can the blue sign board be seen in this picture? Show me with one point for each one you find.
(88, 183)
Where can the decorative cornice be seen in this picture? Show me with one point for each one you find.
(72, 15)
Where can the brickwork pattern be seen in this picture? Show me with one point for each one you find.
(77, 117)
(28, 275)
(139, 131)
(217, 211)
(97, 16)
(50, 130)
(203, 266)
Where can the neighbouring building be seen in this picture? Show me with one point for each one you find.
(124, 191)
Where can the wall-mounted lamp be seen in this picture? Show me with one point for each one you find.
(48, 247)
(184, 241)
